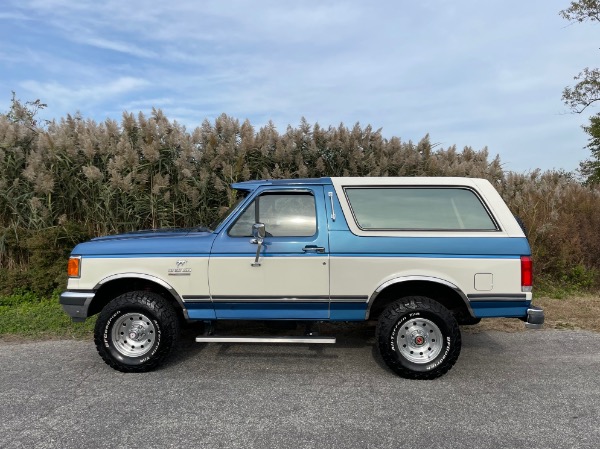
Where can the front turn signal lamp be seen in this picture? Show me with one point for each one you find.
(74, 267)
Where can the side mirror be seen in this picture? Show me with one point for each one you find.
(258, 231)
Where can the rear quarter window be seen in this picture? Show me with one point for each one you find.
(419, 208)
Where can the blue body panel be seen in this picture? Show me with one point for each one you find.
(200, 311)
(500, 309)
(143, 244)
(284, 310)
(347, 311)
(348, 244)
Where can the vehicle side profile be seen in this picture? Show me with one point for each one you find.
(418, 255)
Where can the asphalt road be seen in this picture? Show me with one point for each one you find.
(535, 389)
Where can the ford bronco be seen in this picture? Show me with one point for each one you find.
(418, 255)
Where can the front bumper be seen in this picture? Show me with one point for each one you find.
(535, 318)
(76, 303)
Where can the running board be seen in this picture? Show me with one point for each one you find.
(305, 339)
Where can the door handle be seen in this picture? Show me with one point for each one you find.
(313, 249)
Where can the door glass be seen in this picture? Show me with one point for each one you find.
(289, 214)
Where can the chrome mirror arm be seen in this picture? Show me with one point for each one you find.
(258, 231)
(258, 248)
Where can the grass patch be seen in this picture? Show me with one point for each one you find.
(581, 312)
(24, 316)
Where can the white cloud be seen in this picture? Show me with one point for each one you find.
(466, 72)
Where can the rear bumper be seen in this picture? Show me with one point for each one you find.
(76, 303)
(535, 318)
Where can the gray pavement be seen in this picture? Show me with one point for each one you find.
(535, 389)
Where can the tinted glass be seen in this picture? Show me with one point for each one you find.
(284, 215)
(418, 208)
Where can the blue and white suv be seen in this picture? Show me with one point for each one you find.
(418, 255)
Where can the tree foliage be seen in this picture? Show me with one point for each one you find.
(582, 11)
(590, 168)
(587, 89)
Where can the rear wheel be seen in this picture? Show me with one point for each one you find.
(136, 331)
(418, 338)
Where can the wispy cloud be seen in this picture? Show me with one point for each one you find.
(122, 47)
(464, 73)
(86, 95)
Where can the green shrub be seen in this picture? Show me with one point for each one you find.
(23, 316)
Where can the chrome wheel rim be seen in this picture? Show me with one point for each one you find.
(133, 334)
(419, 340)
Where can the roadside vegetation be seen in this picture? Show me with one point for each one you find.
(65, 181)
(26, 316)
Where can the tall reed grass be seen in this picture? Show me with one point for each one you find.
(74, 178)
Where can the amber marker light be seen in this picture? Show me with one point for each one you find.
(74, 267)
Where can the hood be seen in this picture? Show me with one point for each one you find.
(151, 242)
(145, 233)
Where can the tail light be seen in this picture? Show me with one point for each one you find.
(526, 273)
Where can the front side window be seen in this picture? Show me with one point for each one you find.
(418, 208)
(285, 214)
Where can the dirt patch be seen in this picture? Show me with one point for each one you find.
(577, 312)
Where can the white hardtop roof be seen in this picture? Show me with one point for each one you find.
(407, 180)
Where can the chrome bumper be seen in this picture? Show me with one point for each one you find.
(76, 303)
(535, 318)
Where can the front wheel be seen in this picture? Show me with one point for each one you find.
(136, 331)
(418, 338)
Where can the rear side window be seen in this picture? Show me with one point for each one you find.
(418, 208)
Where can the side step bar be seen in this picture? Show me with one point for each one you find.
(306, 339)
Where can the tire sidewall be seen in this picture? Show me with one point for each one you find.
(108, 343)
(448, 342)
(157, 310)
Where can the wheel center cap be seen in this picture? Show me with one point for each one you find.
(419, 340)
(133, 335)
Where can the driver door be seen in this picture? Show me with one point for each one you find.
(290, 279)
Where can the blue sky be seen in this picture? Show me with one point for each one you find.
(466, 72)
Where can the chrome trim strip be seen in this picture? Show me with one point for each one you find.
(323, 299)
(220, 298)
(497, 297)
(195, 299)
(306, 339)
(358, 299)
(418, 278)
(76, 295)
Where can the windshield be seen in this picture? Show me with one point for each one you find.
(241, 195)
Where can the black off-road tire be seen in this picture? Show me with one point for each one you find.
(136, 331)
(418, 338)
